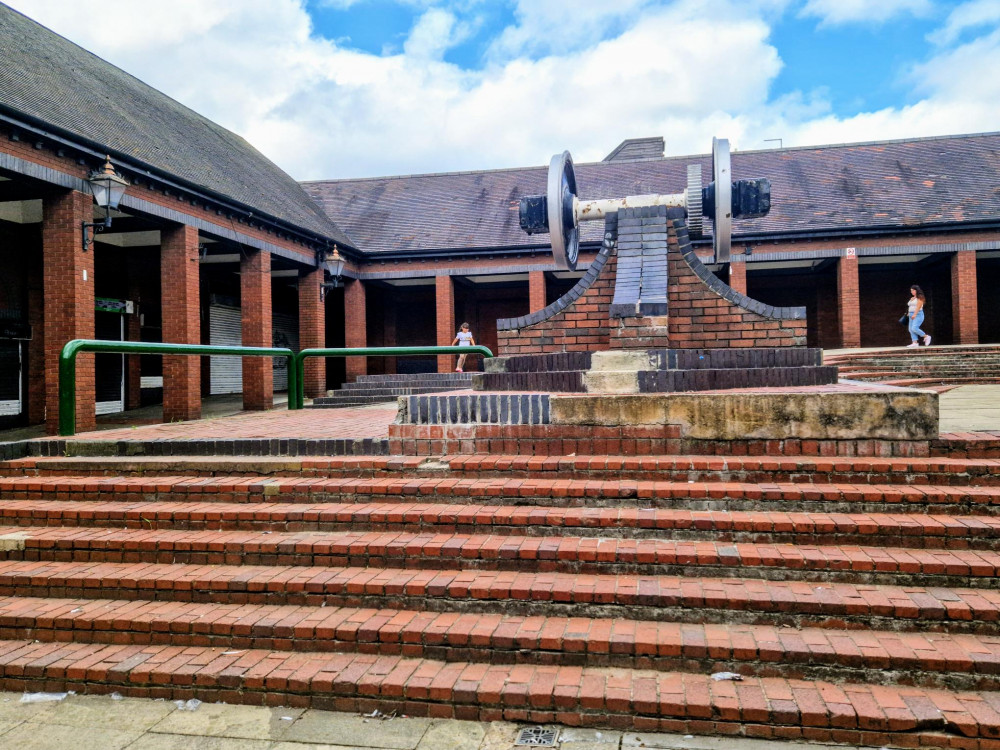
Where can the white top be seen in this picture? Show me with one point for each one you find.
(911, 306)
(464, 338)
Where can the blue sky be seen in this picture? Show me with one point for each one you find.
(350, 88)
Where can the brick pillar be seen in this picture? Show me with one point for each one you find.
(133, 332)
(964, 298)
(181, 315)
(738, 276)
(69, 302)
(312, 330)
(536, 291)
(355, 327)
(848, 301)
(445, 294)
(255, 305)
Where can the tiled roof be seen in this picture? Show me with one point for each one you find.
(897, 184)
(48, 78)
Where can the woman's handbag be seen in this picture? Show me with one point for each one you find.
(904, 320)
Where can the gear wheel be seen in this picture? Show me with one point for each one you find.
(695, 219)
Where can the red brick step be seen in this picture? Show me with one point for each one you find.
(506, 552)
(650, 597)
(897, 529)
(954, 661)
(690, 494)
(590, 696)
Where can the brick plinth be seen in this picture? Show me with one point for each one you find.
(536, 290)
(69, 302)
(444, 289)
(179, 276)
(255, 301)
(312, 330)
(848, 300)
(964, 298)
(355, 327)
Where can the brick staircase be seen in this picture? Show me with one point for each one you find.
(377, 389)
(935, 365)
(856, 596)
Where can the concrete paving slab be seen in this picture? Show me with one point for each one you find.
(572, 735)
(11, 708)
(332, 728)
(221, 720)
(6, 725)
(33, 735)
(499, 736)
(311, 746)
(127, 715)
(452, 735)
(152, 741)
(969, 408)
(695, 742)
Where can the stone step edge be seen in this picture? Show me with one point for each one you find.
(650, 597)
(591, 696)
(881, 657)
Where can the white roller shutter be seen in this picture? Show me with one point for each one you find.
(225, 329)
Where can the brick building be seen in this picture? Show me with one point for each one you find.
(212, 243)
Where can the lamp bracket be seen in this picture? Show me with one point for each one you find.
(97, 226)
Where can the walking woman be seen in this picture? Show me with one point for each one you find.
(915, 311)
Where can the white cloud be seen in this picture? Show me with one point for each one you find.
(966, 16)
(583, 80)
(836, 12)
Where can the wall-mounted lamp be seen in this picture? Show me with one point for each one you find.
(108, 188)
(334, 265)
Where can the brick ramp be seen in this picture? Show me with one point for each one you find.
(856, 595)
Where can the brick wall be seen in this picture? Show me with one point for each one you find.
(964, 298)
(705, 313)
(355, 327)
(69, 302)
(444, 294)
(577, 322)
(181, 321)
(848, 299)
(312, 330)
(255, 303)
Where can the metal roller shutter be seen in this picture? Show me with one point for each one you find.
(225, 329)
(285, 334)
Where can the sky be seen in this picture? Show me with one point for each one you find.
(332, 89)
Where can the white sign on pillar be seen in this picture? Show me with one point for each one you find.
(850, 252)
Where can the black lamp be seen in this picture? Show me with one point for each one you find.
(108, 188)
(334, 265)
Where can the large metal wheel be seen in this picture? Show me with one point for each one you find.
(722, 221)
(563, 228)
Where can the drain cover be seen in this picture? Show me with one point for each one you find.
(537, 737)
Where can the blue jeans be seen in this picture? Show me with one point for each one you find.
(915, 322)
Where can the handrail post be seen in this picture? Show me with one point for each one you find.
(67, 387)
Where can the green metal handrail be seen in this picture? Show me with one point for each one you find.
(67, 366)
(372, 351)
